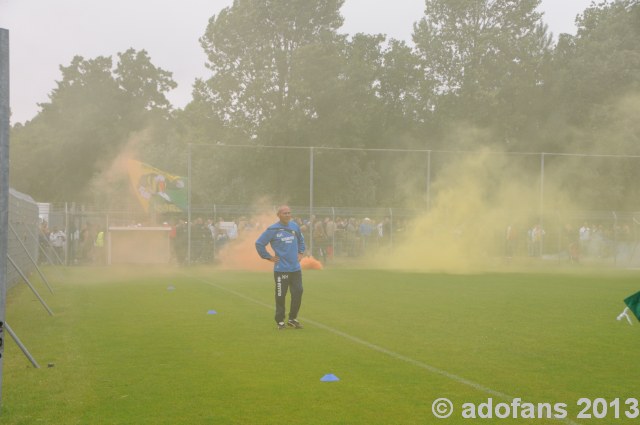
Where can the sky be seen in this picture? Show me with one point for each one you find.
(45, 34)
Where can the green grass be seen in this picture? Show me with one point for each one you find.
(128, 351)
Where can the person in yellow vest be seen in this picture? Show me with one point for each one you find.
(98, 246)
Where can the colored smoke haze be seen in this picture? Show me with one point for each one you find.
(310, 263)
(474, 201)
(241, 254)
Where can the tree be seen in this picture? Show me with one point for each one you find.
(406, 95)
(250, 49)
(142, 81)
(594, 102)
(485, 57)
(87, 121)
(253, 49)
(598, 65)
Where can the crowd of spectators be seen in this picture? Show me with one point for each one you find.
(328, 237)
(576, 242)
(600, 241)
(78, 245)
(325, 237)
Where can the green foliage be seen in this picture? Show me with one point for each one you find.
(483, 59)
(600, 64)
(251, 47)
(481, 72)
(87, 122)
(142, 81)
(593, 95)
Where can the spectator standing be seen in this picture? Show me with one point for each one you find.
(365, 230)
(320, 240)
(537, 235)
(585, 238)
(330, 230)
(43, 238)
(384, 231)
(58, 240)
(98, 247)
(86, 243)
(352, 237)
(510, 241)
(571, 239)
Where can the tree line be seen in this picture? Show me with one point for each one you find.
(480, 73)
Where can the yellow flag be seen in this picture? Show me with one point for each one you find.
(157, 190)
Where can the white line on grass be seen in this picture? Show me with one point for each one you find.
(380, 349)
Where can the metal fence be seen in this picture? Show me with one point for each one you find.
(605, 237)
(23, 233)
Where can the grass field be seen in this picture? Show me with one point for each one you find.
(128, 349)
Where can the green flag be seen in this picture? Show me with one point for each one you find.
(633, 303)
(157, 190)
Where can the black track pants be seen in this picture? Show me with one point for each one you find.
(284, 281)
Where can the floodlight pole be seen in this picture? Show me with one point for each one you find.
(4, 184)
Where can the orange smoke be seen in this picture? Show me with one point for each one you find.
(241, 254)
(310, 263)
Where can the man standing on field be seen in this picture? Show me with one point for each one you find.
(287, 242)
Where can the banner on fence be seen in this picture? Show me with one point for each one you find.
(157, 190)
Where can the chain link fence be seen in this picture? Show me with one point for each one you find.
(22, 233)
(598, 237)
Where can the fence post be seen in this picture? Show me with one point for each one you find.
(391, 227)
(66, 233)
(333, 234)
(428, 181)
(541, 220)
(4, 184)
(311, 200)
(189, 182)
(615, 238)
(215, 230)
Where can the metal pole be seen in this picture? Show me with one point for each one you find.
(66, 234)
(310, 200)
(28, 282)
(37, 241)
(189, 204)
(541, 185)
(391, 227)
(4, 184)
(333, 235)
(40, 247)
(215, 231)
(106, 238)
(21, 345)
(107, 241)
(428, 181)
(51, 246)
(615, 238)
(541, 220)
(560, 236)
(35, 263)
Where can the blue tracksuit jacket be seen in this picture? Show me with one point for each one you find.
(286, 242)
